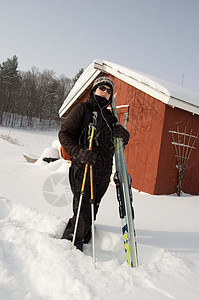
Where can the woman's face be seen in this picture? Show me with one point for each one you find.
(103, 91)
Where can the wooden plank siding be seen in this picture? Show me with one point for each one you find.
(150, 154)
(146, 118)
(167, 171)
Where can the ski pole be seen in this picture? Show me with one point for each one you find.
(92, 212)
(82, 188)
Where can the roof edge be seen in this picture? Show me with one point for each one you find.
(178, 103)
(161, 90)
(157, 91)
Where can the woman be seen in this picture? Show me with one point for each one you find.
(74, 138)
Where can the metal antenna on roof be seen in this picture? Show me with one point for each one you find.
(182, 80)
(184, 144)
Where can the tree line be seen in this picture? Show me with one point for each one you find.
(32, 98)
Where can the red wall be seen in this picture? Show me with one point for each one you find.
(167, 172)
(146, 117)
(150, 155)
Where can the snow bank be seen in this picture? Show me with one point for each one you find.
(36, 264)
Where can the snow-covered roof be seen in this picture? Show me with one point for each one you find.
(164, 91)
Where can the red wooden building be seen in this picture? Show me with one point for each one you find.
(162, 118)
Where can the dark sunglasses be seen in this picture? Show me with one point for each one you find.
(103, 88)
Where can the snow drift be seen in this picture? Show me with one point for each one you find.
(36, 264)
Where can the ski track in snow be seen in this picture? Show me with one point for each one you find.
(36, 264)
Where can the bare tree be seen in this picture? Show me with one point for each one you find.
(31, 96)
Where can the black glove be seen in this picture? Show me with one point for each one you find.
(86, 156)
(120, 132)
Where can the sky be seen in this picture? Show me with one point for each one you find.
(155, 37)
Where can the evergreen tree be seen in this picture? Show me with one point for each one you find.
(10, 82)
(78, 74)
(8, 69)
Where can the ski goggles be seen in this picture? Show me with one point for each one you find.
(103, 88)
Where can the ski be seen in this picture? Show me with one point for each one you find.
(125, 198)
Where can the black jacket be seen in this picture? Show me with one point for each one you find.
(73, 136)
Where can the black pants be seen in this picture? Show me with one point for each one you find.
(101, 179)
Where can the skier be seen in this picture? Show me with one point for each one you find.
(74, 138)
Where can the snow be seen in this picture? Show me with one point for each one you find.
(50, 152)
(169, 89)
(35, 204)
(138, 76)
